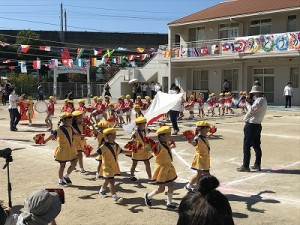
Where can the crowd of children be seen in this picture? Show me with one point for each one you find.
(104, 117)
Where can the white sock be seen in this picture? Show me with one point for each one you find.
(151, 194)
(169, 198)
(115, 197)
(60, 180)
(66, 175)
(102, 189)
(188, 185)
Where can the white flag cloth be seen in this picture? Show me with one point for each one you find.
(161, 104)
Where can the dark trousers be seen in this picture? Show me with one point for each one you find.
(173, 117)
(144, 94)
(15, 117)
(4, 99)
(41, 97)
(153, 93)
(288, 101)
(252, 138)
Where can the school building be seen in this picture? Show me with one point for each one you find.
(240, 41)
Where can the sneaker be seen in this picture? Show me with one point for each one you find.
(148, 201)
(187, 188)
(83, 171)
(171, 206)
(175, 132)
(118, 200)
(258, 168)
(62, 183)
(103, 194)
(67, 180)
(150, 181)
(243, 169)
(133, 178)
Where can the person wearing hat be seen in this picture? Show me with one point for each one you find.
(147, 103)
(71, 107)
(65, 151)
(50, 113)
(82, 107)
(201, 161)
(228, 103)
(109, 151)
(252, 129)
(111, 115)
(139, 101)
(29, 110)
(106, 101)
(119, 106)
(221, 102)
(242, 102)
(210, 105)
(41, 207)
(190, 106)
(138, 136)
(164, 173)
(98, 134)
(200, 101)
(128, 109)
(95, 103)
(65, 106)
(138, 111)
(288, 94)
(79, 141)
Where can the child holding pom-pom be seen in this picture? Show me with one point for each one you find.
(201, 161)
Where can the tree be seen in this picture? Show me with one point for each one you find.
(28, 37)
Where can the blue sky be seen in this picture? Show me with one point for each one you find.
(98, 15)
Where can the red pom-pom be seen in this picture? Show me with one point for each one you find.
(87, 132)
(189, 134)
(39, 139)
(87, 150)
(212, 129)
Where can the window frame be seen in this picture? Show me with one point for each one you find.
(288, 23)
(294, 77)
(260, 25)
(233, 80)
(229, 27)
(200, 73)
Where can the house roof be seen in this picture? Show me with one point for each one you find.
(238, 7)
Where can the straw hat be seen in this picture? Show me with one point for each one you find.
(141, 119)
(103, 123)
(164, 130)
(110, 131)
(136, 106)
(99, 99)
(51, 98)
(128, 96)
(202, 124)
(138, 97)
(256, 89)
(65, 115)
(66, 100)
(81, 101)
(77, 113)
(95, 97)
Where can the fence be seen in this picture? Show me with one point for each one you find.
(63, 88)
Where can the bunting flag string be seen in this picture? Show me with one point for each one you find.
(79, 52)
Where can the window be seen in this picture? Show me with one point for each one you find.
(200, 80)
(197, 34)
(263, 26)
(294, 77)
(232, 77)
(292, 23)
(229, 30)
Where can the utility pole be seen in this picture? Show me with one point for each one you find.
(61, 23)
(65, 20)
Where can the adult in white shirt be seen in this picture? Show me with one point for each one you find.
(14, 114)
(174, 111)
(252, 129)
(144, 89)
(288, 93)
(152, 88)
(157, 87)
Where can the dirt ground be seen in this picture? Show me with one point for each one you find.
(268, 197)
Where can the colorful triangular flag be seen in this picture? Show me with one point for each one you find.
(36, 64)
(64, 53)
(108, 53)
(97, 51)
(23, 48)
(79, 52)
(45, 48)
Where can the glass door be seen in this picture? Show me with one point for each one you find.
(267, 84)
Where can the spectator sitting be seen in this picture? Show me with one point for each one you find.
(205, 205)
(40, 208)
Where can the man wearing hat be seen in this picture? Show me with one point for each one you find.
(252, 129)
(40, 208)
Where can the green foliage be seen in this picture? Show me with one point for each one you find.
(25, 84)
(28, 37)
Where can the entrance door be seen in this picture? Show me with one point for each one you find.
(266, 79)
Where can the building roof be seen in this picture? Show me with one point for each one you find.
(236, 8)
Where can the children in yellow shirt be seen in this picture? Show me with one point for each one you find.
(201, 161)
(79, 141)
(65, 151)
(164, 173)
(103, 124)
(109, 151)
(138, 136)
